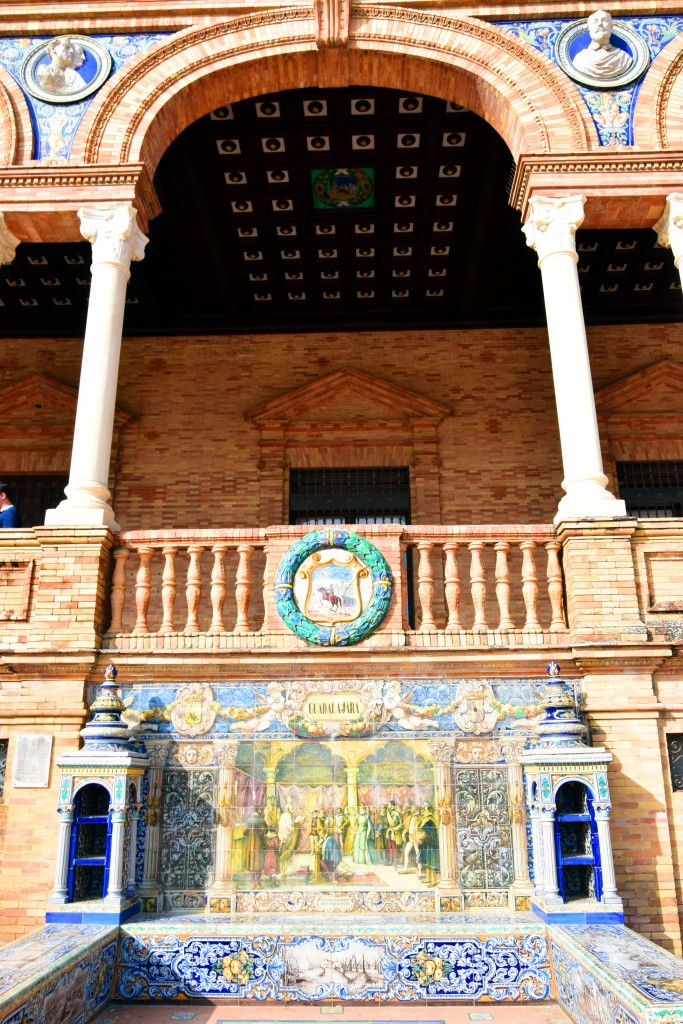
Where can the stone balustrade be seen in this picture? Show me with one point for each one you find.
(491, 581)
(455, 586)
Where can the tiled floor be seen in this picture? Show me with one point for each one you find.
(525, 1014)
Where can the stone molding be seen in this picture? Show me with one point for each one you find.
(499, 73)
(40, 441)
(398, 427)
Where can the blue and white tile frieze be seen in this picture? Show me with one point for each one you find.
(611, 109)
(349, 967)
(55, 125)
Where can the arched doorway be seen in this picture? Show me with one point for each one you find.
(90, 847)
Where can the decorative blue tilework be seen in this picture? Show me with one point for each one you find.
(495, 967)
(55, 125)
(612, 110)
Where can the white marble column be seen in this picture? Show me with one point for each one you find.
(546, 826)
(118, 830)
(551, 230)
(609, 881)
(537, 846)
(116, 240)
(60, 892)
(669, 228)
(8, 242)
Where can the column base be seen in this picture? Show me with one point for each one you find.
(67, 514)
(449, 897)
(588, 499)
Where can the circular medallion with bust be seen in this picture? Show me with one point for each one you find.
(610, 58)
(65, 69)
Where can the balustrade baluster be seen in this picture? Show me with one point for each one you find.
(530, 587)
(503, 585)
(554, 577)
(118, 589)
(218, 588)
(243, 588)
(143, 586)
(425, 585)
(168, 588)
(478, 586)
(452, 586)
(193, 588)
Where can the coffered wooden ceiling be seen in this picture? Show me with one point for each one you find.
(338, 209)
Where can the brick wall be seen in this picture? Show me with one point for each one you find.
(189, 458)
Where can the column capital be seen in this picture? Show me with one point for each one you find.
(8, 242)
(552, 223)
(114, 235)
(669, 227)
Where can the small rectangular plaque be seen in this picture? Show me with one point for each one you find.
(32, 761)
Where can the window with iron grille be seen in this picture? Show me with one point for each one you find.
(651, 490)
(379, 494)
(34, 495)
(674, 744)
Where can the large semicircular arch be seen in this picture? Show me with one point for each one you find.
(526, 98)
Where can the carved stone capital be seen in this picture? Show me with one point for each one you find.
(226, 753)
(512, 750)
(442, 752)
(190, 755)
(551, 227)
(114, 235)
(669, 227)
(8, 242)
(157, 753)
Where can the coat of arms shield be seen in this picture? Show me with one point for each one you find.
(332, 587)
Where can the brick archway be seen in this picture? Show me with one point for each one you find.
(528, 100)
(16, 132)
(658, 119)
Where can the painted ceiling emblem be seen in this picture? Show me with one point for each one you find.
(343, 187)
(193, 713)
(333, 588)
(65, 69)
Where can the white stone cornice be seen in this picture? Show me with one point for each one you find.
(551, 227)
(669, 227)
(8, 242)
(114, 235)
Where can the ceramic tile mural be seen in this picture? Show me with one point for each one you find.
(55, 125)
(337, 786)
(612, 109)
(62, 973)
(317, 964)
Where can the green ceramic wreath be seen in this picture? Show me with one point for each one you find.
(339, 634)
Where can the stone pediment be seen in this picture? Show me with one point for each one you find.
(39, 401)
(655, 390)
(347, 396)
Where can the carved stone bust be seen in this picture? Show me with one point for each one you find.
(60, 76)
(601, 59)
